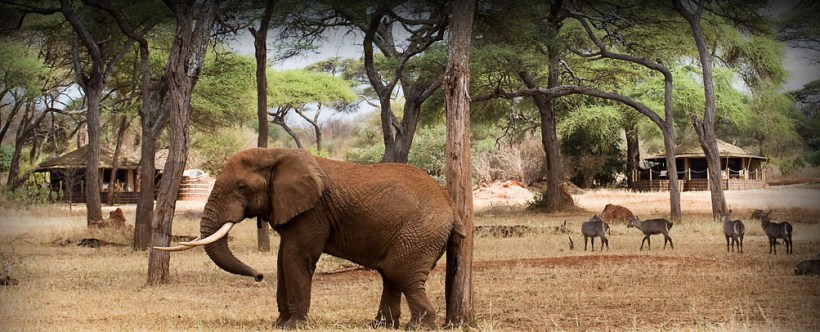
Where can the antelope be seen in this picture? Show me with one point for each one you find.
(652, 227)
(734, 230)
(777, 230)
(593, 228)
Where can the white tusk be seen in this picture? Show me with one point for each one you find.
(220, 233)
(175, 248)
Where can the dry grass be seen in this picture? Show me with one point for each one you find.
(532, 282)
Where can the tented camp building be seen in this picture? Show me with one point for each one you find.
(66, 176)
(739, 169)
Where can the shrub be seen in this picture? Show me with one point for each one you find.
(789, 167)
(5, 158)
(212, 150)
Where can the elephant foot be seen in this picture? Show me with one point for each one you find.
(384, 322)
(288, 323)
(421, 324)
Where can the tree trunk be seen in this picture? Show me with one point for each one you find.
(668, 131)
(260, 39)
(93, 94)
(456, 82)
(705, 128)
(633, 153)
(145, 201)
(549, 140)
(184, 64)
(291, 133)
(397, 149)
(115, 164)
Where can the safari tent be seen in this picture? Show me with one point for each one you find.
(66, 176)
(739, 169)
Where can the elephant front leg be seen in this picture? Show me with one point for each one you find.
(389, 307)
(281, 294)
(297, 273)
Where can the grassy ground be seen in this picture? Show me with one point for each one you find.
(529, 282)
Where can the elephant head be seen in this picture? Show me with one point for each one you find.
(273, 184)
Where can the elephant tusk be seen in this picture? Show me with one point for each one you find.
(174, 248)
(180, 247)
(220, 233)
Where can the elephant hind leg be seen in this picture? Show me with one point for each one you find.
(390, 306)
(422, 313)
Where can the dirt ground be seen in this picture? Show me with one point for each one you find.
(530, 281)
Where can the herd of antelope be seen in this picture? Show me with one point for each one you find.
(734, 230)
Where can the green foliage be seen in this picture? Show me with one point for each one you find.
(226, 91)
(6, 153)
(427, 152)
(589, 144)
(790, 166)
(297, 88)
(20, 67)
(215, 148)
(812, 158)
(31, 192)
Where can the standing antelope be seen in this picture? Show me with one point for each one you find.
(593, 228)
(777, 230)
(652, 227)
(734, 230)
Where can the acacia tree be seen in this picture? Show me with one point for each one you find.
(92, 81)
(300, 90)
(401, 32)
(744, 15)
(186, 57)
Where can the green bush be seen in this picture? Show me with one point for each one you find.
(6, 153)
(813, 158)
(790, 166)
(215, 148)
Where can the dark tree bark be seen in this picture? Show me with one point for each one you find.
(14, 110)
(153, 117)
(666, 125)
(398, 135)
(92, 84)
(115, 164)
(549, 136)
(705, 127)
(279, 120)
(260, 39)
(456, 83)
(314, 122)
(633, 155)
(184, 64)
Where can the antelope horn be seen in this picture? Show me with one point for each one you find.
(220, 233)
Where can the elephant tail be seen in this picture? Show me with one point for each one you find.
(457, 228)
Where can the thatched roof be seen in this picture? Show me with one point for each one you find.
(77, 159)
(693, 150)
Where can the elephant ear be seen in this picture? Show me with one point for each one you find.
(297, 183)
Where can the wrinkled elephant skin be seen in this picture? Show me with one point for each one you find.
(392, 218)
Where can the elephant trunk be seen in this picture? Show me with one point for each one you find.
(223, 257)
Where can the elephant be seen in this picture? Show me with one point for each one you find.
(391, 218)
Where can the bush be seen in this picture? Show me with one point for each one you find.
(5, 158)
(813, 158)
(789, 167)
(212, 150)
